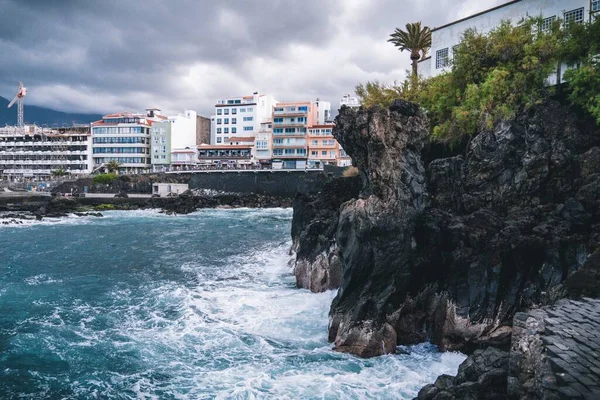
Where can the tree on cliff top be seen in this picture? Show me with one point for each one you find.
(416, 40)
(582, 48)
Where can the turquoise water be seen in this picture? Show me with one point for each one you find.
(139, 305)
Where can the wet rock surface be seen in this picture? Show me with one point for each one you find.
(317, 265)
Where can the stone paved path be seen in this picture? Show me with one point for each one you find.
(572, 339)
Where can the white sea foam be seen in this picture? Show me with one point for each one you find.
(239, 330)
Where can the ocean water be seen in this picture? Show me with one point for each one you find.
(140, 305)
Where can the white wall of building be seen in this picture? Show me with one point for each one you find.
(446, 37)
(240, 116)
(350, 101)
(323, 111)
(183, 130)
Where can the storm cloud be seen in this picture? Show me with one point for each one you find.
(116, 55)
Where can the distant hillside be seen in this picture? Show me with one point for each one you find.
(42, 115)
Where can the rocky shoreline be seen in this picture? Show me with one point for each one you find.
(16, 209)
(454, 248)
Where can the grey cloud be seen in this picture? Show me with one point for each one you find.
(127, 47)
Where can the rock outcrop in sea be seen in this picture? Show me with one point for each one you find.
(450, 249)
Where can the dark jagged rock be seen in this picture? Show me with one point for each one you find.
(375, 232)
(188, 201)
(483, 375)
(451, 250)
(317, 266)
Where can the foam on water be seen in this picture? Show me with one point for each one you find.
(185, 307)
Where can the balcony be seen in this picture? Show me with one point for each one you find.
(224, 157)
(290, 113)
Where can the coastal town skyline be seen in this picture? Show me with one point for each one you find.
(103, 58)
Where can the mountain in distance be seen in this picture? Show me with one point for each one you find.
(42, 115)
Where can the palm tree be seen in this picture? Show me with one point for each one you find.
(113, 166)
(58, 172)
(415, 39)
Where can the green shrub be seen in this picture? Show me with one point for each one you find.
(105, 179)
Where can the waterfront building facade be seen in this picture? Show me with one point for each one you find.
(323, 149)
(124, 138)
(263, 144)
(33, 153)
(240, 116)
(445, 38)
(172, 133)
(349, 101)
(344, 159)
(323, 109)
(225, 156)
(290, 131)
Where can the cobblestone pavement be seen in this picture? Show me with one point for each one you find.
(572, 339)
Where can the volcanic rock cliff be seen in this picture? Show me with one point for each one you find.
(451, 249)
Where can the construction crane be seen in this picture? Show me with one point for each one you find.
(21, 92)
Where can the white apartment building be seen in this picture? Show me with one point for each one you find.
(263, 143)
(349, 101)
(170, 135)
(323, 111)
(240, 116)
(124, 138)
(446, 37)
(32, 153)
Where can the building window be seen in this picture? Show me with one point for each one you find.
(278, 120)
(226, 121)
(547, 23)
(242, 110)
(575, 16)
(247, 119)
(441, 58)
(226, 130)
(219, 111)
(234, 130)
(219, 130)
(226, 111)
(219, 120)
(324, 153)
(219, 140)
(248, 128)
(250, 109)
(234, 111)
(303, 108)
(234, 120)
(315, 142)
(313, 153)
(595, 5)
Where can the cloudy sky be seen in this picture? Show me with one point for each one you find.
(116, 55)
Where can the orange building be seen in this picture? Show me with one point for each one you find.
(290, 132)
(323, 149)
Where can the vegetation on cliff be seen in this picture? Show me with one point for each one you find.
(497, 75)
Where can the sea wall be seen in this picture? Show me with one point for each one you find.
(267, 182)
